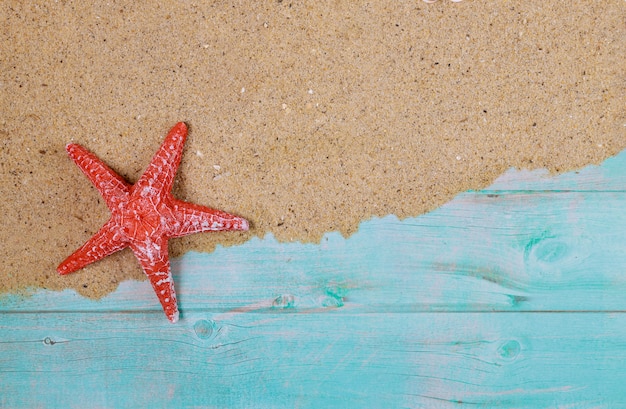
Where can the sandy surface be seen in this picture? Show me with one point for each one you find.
(304, 119)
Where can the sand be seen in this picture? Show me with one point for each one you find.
(305, 117)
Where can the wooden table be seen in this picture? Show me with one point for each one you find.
(513, 296)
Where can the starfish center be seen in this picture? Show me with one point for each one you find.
(142, 217)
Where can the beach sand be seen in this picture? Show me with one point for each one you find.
(305, 117)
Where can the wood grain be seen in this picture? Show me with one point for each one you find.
(323, 359)
(513, 297)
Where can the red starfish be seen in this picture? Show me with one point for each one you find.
(145, 215)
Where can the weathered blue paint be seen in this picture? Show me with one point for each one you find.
(512, 296)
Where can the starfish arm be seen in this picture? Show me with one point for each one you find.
(111, 186)
(159, 177)
(192, 218)
(153, 257)
(106, 241)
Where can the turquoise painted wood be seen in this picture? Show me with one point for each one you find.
(512, 296)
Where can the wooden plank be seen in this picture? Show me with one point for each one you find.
(512, 296)
(325, 359)
(511, 252)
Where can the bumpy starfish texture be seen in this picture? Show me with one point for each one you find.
(145, 215)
